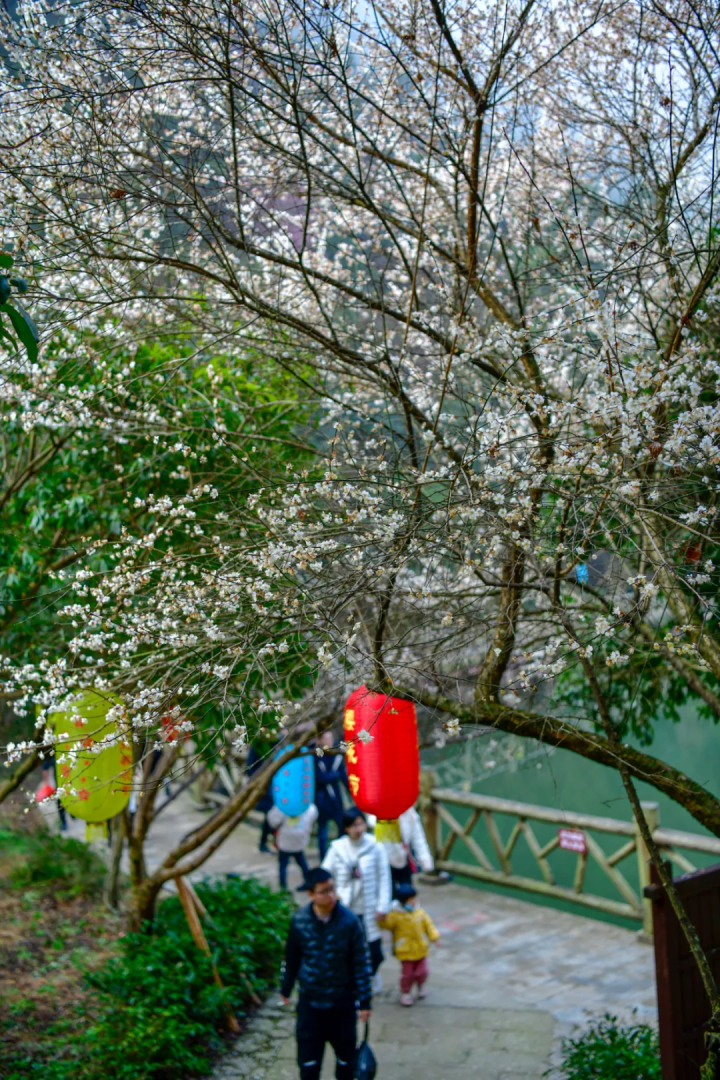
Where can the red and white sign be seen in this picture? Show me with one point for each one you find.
(572, 840)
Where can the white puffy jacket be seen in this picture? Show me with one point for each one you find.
(413, 839)
(371, 892)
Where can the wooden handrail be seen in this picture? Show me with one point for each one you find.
(537, 813)
(693, 842)
(710, 845)
(493, 864)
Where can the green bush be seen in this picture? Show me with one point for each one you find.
(608, 1051)
(161, 1014)
(248, 926)
(42, 860)
(154, 1011)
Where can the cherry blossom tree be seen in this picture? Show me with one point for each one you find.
(485, 238)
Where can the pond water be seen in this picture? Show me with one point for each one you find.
(525, 771)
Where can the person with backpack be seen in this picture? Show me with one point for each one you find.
(292, 838)
(326, 954)
(360, 869)
(411, 853)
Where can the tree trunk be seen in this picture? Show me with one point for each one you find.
(16, 778)
(197, 846)
(141, 909)
(696, 799)
(136, 857)
(112, 877)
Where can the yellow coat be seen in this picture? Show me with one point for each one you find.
(412, 932)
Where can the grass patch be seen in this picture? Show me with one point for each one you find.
(40, 860)
(53, 930)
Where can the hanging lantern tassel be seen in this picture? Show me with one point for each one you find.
(388, 831)
(384, 770)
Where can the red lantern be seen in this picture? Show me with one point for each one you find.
(383, 773)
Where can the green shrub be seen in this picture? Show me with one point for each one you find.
(42, 860)
(161, 1015)
(608, 1051)
(248, 926)
(153, 1011)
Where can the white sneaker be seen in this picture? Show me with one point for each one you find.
(377, 983)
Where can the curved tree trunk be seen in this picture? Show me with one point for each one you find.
(15, 779)
(141, 909)
(699, 802)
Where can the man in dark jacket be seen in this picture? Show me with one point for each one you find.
(330, 775)
(326, 953)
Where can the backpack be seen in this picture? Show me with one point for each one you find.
(366, 1065)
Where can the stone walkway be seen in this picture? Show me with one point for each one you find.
(427, 1041)
(509, 979)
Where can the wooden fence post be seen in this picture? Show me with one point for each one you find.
(651, 810)
(428, 811)
(187, 899)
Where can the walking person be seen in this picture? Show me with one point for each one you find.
(411, 853)
(412, 930)
(55, 810)
(255, 762)
(330, 776)
(292, 838)
(327, 955)
(361, 872)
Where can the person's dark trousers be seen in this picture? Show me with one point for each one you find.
(284, 858)
(265, 834)
(322, 833)
(314, 1028)
(376, 950)
(401, 876)
(376, 954)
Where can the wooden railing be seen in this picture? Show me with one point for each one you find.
(492, 855)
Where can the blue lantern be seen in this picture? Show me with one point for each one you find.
(293, 786)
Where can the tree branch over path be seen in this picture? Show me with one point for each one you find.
(199, 845)
(703, 806)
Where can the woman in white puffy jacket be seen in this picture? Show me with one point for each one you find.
(411, 853)
(361, 872)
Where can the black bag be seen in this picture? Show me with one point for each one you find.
(366, 1067)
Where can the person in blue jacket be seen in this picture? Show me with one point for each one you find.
(330, 775)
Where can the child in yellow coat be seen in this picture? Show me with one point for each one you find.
(412, 931)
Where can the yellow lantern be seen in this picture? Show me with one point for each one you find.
(96, 783)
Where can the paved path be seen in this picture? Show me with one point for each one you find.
(509, 980)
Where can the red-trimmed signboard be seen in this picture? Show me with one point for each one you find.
(572, 840)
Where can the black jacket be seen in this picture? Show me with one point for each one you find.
(330, 961)
(329, 776)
